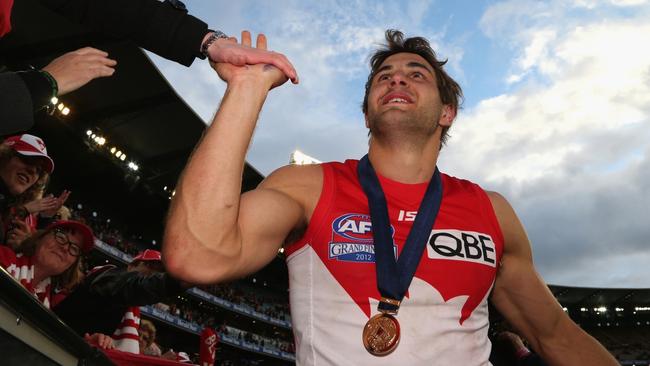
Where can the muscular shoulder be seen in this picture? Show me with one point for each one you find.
(515, 238)
(303, 183)
(499, 203)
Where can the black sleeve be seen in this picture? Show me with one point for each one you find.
(121, 287)
(163, 28)
(39, 88)
(16, 105)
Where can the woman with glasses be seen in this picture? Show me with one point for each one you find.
(50, 259)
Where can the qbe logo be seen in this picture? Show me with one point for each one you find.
(467, 246)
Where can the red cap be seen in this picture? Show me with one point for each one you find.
(30, 145)
(86, 232)
(148, 255)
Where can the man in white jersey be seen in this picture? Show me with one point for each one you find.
(214, 234)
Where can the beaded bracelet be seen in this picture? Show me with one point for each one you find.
(53, 83)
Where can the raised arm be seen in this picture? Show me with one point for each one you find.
(213, 234)
(523, 298)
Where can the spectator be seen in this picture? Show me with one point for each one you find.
(147, 333)
(108, 298)
(50, 259)
(38, 213)
(207, 349)
(25, 168)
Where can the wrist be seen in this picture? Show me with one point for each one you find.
(53, 83)
(211, 37)
(252, 82)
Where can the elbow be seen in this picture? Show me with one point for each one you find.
(193, 261)
(174, 266)
(177, 255)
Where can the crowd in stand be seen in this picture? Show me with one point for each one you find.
(258, 340)
(262, 303)
(206, 318)
(625, 343)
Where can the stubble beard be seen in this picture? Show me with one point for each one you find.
(411, 127)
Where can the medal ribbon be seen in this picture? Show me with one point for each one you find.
(394, 277)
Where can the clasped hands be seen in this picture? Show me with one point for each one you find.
(246, 63)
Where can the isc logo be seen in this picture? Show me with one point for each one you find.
(356, 227)
(458, 245)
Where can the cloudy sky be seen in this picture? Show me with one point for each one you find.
(556, 113)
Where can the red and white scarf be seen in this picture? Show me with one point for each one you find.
(126, 335)
(21, 268)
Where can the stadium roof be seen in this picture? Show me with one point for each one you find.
(586, 296)
(136, 110)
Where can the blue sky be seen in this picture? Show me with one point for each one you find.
(556, 112)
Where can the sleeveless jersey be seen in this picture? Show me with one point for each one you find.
(333, 290)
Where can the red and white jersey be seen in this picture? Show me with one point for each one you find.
(207, 350)
(333, 289)
(21, 268)
(126, 336)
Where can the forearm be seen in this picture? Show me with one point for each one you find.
(155, 26)
(124, 288)
(202, 227)
(573, 346)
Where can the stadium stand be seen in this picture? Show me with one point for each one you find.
(246, 316)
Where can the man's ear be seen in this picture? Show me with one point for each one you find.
(447, 116)
(365, 116)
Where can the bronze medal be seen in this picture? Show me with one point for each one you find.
(381, 334)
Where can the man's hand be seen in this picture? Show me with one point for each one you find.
(100, 340)
(75, 69)
(228, 51)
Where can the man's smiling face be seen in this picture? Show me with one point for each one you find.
(404, 95)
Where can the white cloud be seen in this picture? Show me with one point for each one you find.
(599, 83)
(629, 2)
(568, 146)
(535, 54)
